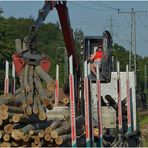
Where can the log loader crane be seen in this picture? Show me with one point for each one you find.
(31, 56)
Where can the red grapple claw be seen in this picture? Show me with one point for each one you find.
(45, 64)
(18, 63)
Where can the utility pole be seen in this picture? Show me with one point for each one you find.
(132, 52)
(110, 25)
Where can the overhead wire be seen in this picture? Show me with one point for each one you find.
(140, 20)
(106, 5)
(86, 7)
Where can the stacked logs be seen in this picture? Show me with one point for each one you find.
(29, 118)
(18, 129)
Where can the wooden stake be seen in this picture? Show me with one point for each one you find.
(57, 86)
(99, 107)
(87, 111)
(6, 89)
(72, 103)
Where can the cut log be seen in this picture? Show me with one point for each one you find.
(26, 78)
(14, 109)
(8, 128)
(1, 121)
(1, 134)
(43, 75)
(38, 86)
(3, 115)
(3, 108)
(64, 129)
(5, 144)
(48, 130)
(26, 138)
(41, 133)
(18, 46)
(66, 101)
(36, 139)
(63, 139)
(24, 119)
(61, 113)
(42, 113)
(6, 137)
(55, 124)
(21, 78)
(96, 132)
(35, 107)
(47, 137)
(18, 91)
(18, 134)
(30, 98)
(28, 110)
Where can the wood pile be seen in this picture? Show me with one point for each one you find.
(29, 118)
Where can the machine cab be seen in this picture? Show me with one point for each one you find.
(91, 44)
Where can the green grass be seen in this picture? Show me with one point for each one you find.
(143, 121)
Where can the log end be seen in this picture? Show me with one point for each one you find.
(41, 134)
(17, 134)
(4, 115)
(51, 86)
(3, 108)
(16, 118)
(47, 137)
(54, 134)
(8, 128)
(59, 140)
(96, 132)
(48, 130)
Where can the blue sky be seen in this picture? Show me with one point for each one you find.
(93, 17)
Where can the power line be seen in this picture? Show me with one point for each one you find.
(86, 7)
(140, 20)
(107, 6)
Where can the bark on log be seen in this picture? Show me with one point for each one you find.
(43, 75)
(42, 113)
(62, 139)
(14, 109)
(26, 78)
(18, 45)
(18, 91)
(55, 124)
(1, 134)
(35, 107)
(40, 90)
(61, 113)
(28, 110)
(64, 129)
(1, 121)
(18, 134)
(5, 144)
(24, 119)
